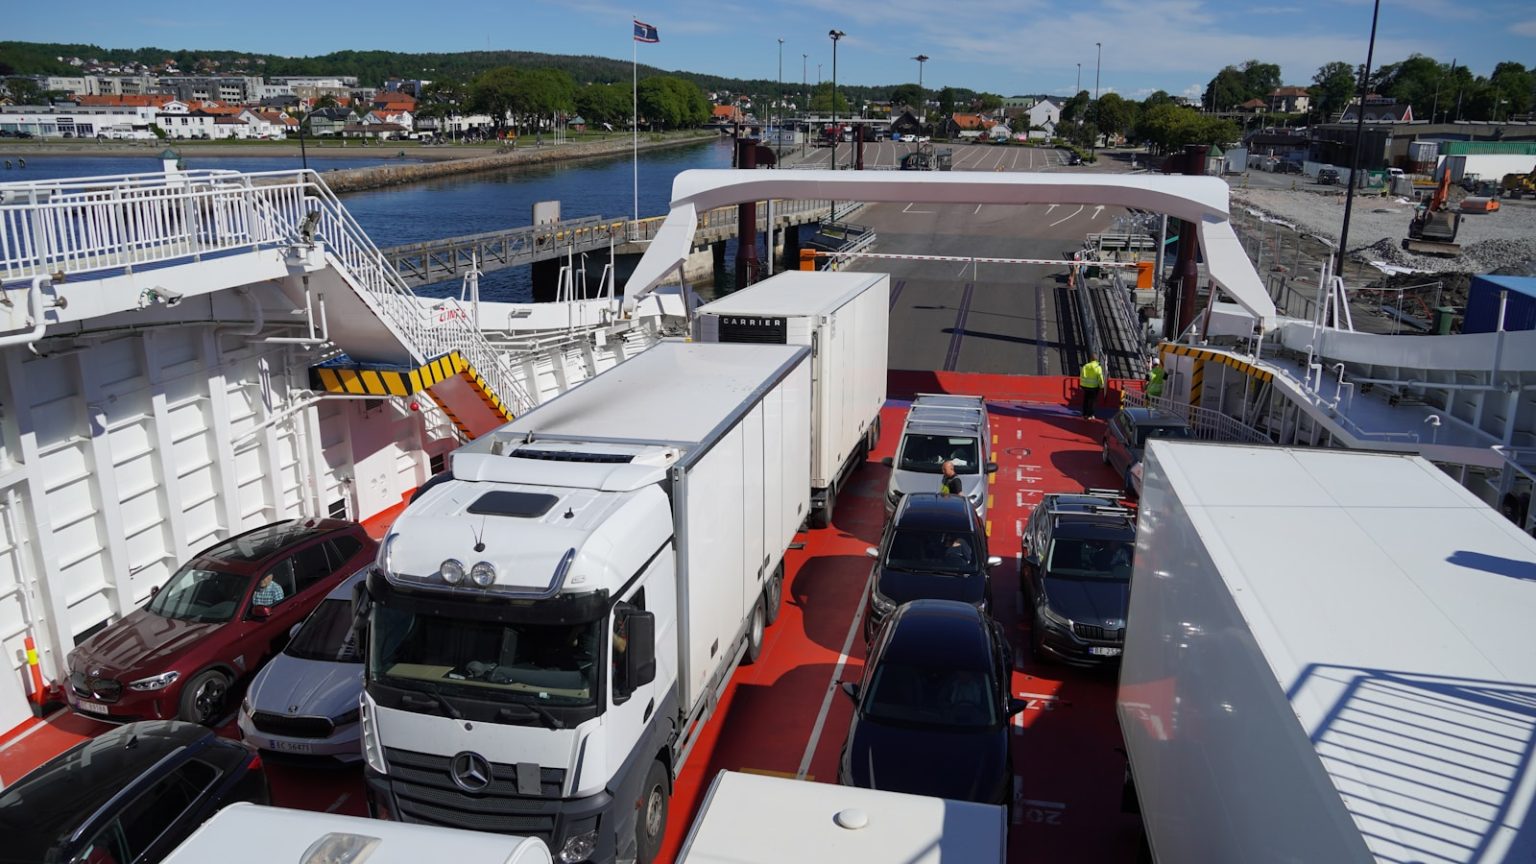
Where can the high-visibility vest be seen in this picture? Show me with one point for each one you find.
(1155, 386)
(1093, 375)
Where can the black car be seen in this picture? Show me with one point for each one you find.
(1076, 578)
(127, 796)
(934, 547)
(1126, 434)
(931, 714)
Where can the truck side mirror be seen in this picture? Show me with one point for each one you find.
(888, 461)
(640, 654)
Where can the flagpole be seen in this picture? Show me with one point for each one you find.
(634, 123)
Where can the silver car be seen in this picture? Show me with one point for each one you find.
(306, 700)
(942, 428)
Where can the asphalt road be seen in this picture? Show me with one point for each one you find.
(965, 317)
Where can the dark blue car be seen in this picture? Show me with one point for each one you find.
(934, 547)
(931, 713)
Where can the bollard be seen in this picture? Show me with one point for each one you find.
(37, 674)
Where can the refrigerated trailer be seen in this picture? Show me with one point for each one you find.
(1328, 658)
(844, 318)
(552, 626)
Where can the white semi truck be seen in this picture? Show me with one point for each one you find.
(844, 318)
(552, 624)
(1328, 658)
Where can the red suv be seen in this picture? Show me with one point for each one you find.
(215, 621)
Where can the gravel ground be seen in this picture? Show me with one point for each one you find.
(1502, 240)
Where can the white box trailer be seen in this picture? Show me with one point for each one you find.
(754, 819)
(844, 318)
(552, 624)
(1328, 658)
(255, 834)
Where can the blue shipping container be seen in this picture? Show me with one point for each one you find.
(1483, 304)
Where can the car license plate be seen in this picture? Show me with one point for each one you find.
(1100, 651)
(93, 707)
(290, 747)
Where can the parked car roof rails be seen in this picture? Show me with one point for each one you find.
(1115, 494)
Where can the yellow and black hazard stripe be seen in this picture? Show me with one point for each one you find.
(1203, 356)
(369, 381)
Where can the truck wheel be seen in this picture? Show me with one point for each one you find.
(202, 700)
(651, 822)
(755, 632)
(775, 594)
(823, 517)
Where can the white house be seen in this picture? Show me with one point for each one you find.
(47, 121)
(179, 122)
(228, 126)
(399, 117)
(268, 124)
(1043, 118)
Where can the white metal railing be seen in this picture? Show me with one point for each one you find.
(99, 223)
(1205, 423)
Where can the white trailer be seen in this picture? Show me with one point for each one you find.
(753, 819)
(844, 319)
(254, 834)
(1328, 658)
(553, 622)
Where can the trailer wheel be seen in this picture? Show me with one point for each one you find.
(651, 821)
(823, 517)
(755, 632)
(774, 592)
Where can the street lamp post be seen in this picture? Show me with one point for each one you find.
(837, 36)
(805, 94)
(1079, 80)
(1099, 46)
(778, 127)
(921, 94)
(1354, 159)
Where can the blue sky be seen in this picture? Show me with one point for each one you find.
(1004, 46)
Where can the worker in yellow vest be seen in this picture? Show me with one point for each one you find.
(1155, 379)
(1091, 380)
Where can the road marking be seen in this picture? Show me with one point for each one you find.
(1050, 208)
(1018, 475)
(1069, 216)
(336, 805)
(1019, 502)
(1015, 165)
(908, 209)
(953, 356)
(977, 210)
(1096, 211)
(989, 527)
(991, 501)
(826, 701)
(1018, 434)
(994, 437)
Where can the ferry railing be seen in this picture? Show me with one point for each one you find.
(1206, 424)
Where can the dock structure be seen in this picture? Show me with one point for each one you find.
(451, 257)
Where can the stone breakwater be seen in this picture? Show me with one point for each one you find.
(379, 176)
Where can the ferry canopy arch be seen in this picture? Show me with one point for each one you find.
(1201, 200)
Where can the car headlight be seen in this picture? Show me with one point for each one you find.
(578, 847)
(245, 707)
(156, 682)
(1051, 615)
(883, 604)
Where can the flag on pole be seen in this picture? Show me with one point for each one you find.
(646, 33)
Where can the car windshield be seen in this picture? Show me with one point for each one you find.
(1091, 559)
(327, 635)
(200, 595)
(928, 453)
(1145, 432)
(934, 551)
(547, 664)
(931, 696)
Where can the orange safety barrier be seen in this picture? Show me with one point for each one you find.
(38, 690)
(807, 259)
(1144, 274)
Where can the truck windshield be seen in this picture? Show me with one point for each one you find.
(928, 453)
(1091, 559)
(547, 664)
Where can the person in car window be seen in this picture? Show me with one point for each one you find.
(268, 593)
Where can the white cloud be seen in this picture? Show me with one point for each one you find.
(1525, 28)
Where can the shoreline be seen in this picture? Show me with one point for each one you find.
(434, 161)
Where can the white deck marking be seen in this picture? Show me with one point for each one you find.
(1069, 215)
(826, 701)
(908, 209)
(1020, 497)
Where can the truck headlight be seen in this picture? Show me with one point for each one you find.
(578, 847)
(373, 751)
(157, 682)
(452, 571)
(483, 574)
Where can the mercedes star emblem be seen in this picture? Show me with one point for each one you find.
(470, 771)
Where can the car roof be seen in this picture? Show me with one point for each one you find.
(58, 797)
(934, 511)
(249, 550)
(932, 427)
(1087, 516)
(943, 633)
(1154, 417)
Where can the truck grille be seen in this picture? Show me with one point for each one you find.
(426, 793)
(293, 727)
(98, 689)
(1088, 631)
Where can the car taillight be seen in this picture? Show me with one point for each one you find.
(255, 763)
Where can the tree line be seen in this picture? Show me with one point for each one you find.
(526, 98)
(1436, 90)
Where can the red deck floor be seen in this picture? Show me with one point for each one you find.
(786, 716)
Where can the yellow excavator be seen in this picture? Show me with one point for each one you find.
(1434, 226)
(1519, 185)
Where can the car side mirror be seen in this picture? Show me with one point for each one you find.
(1016, 705)
(260, 613)
(991, 467)
(993, 561)
(640, 655)
(294, 630)
(888, 461)
(852, 689)
(871, 551)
